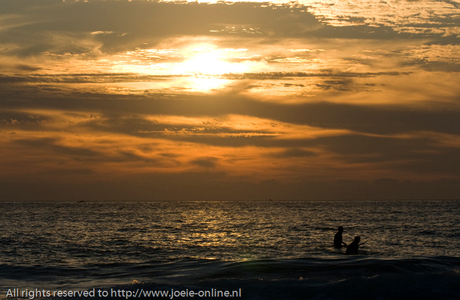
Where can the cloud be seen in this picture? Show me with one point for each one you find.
(206, 186)
(107, 23)
(102, 32)
(51, 144)
(374, 119)
(205, 162)
(113, 26)
(294, 152)
(253, 99)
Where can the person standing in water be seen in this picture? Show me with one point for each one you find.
(353, 247)
(338, 238)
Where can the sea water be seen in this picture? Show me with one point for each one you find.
(257, 250)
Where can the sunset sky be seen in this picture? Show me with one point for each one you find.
(148, 100)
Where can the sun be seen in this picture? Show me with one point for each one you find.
(204, 66)
(208, 62)
(199, 67)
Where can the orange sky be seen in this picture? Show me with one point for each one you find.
(147, 100)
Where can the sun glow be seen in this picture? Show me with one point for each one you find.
(209, 62)
(197, 67)
(205, 63)
(207, 84)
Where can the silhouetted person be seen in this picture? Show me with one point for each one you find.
(353, 247)
(338, 238)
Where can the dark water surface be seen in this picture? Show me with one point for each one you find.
(268, 249)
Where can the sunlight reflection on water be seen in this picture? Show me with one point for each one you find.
(81, 233)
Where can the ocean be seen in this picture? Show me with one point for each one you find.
(230, 249)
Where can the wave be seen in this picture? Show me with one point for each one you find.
(301, 278)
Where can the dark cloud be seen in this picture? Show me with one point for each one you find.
(57, 26)
(205, 162)
(71, 172)
(18, 119)
(418, 155)
(367, 31)
(146, 22)
(294, 152)
(66, 27)
(375, 119)
(16, 67)
(323, 73)
(329, 77)
(50, 144)
(131, 156)
(415, 136)
(85, 78)
(23, 67)
(212, 186)
(439, 160)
